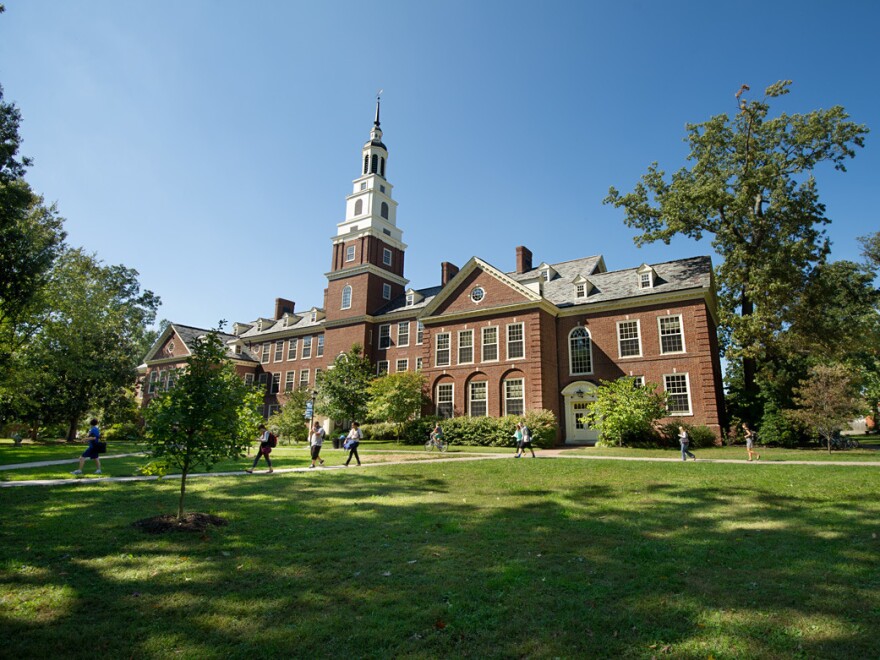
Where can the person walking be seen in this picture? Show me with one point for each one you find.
(316, 439)
(267, 441)
(750, 442)
(355, 435)
(526, 441)
(685, 440)
(518, 436)
(92, 450)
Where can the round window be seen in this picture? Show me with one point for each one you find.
(477, 294)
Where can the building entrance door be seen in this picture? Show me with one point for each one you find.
(577, 430)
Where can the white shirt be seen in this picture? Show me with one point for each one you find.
(317, 437)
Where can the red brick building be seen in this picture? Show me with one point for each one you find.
(489, 342)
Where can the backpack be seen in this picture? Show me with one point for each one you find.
(273, 440)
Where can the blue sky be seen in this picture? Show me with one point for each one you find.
(210, 145)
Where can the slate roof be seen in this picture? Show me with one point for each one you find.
(189, 334)
(399, 303)
(678, 275)
(277, 326)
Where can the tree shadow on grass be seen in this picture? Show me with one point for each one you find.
(430, 562)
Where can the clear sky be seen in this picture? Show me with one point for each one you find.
(210, 144)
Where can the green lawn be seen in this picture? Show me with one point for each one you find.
(547, 558)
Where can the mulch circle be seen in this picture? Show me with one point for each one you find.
(191, 522)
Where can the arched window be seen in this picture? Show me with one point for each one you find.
(359, 207)
(346, 297)
(385, 210)
(366, 163)
(382, 167)
(374, 164)
(580, 352)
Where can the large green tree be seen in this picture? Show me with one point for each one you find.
(827, 400)
(84, 355)
(397, 398)
(31, 238)
(343, 389)
(209, 415)
(749, 186)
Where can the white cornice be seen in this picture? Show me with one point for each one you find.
(369, 231)
(644, 301)
(365, 269)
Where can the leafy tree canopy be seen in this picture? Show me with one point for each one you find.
(343, 389)
(397, 398)
(623, 412)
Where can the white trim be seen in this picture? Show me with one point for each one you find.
(306, 344)
(484, 400)
(504, 394)
(384, 334)
(462, 333)
(483, 343)
(350, 253)
(382, 367)
(571, 370)
(405, 362)
(301, 382)
(451, 402)
(687, 383)
(660, 334)
(400, 343)
(507, 341)
(448, 349)
(346, 289)
(386, 291)
(292, 348)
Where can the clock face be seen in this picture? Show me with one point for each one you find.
(477, 294)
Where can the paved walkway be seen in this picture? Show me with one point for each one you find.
(90, 478)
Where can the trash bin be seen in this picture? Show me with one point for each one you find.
(337, 442)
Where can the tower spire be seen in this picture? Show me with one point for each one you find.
(378, 101)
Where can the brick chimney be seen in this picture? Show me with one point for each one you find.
(447, 272)
(282, 307)
(523, 259)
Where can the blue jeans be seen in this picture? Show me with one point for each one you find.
(685, 453)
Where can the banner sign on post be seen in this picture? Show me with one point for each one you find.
(309, 410)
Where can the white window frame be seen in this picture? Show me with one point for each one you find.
(661, 335)
(420, 333)
(687, 386)
(382, 367)
(401, 365)
(384, 336)
(419, 362)
(263, 380)
(279, 351)
(410, 299)
(350, 253)
(466, 343)
(447, 337)
(522, 340)
(248, 379)
(265, 352)
(304, 378)
(307, 347)
(386, 291)
(484, 400)
(638, 381)
(580, 290)
(508, 399)
(571, 353)
(290, 381)
(387, 257)
(154, 382)
(484, 344)
(621, 338)
(403, 337)
(438, 402)
(292, 346)
(319, 348)
(275, 383)
(646, 280)
(345, 303)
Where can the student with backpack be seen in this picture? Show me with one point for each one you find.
(267, 441)
(525, 442)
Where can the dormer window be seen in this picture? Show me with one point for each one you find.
(410, 299)
(645, 280)
(580, 290)
(238, 349)
(314, 316)
(545, 275)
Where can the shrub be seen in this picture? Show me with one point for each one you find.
(125, 432)
(701, 436)
(776, 429)
(625, 413)
(473, 431)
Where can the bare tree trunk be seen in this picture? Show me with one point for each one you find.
(71, 430)
(750, 365)
(182, 494)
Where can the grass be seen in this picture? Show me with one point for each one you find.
(546, 558)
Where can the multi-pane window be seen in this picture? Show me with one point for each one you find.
(638, 381)
(516, 345)
(264, 379)
(289, 381)
(442, 355)
(645, 280)
(307, 348)
(678, 398)
(154, 382)
(349, 253)
(346, 297)
(465, 346)
(382, 367)
(671, 337)
(514, 400)
(418, 364)
(420, 332)
(402, 365)
(580, 290)
(319, 351)
(490, 344)
(272, 409)
(628, 339)
(384, 336)
(444, 400)
(478, 398)
(410, 299)
(580, 351)
(264, 358)
(275, 387)
(386, 291)
(304, 378)
(386, 256)
(403, 333)
(291, 348)
(279, 351)
(248, 379)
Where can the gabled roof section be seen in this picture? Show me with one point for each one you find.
(421, 300)
(187, 335)
(476, 263)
